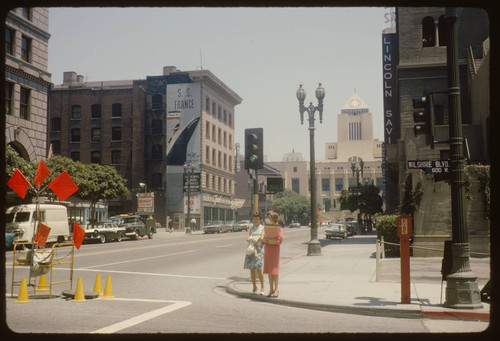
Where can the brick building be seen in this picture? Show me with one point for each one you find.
(129, 124)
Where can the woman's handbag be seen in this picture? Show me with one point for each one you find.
(250, 249)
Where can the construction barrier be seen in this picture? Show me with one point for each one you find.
(40, 263)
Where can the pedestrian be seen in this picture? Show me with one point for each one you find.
(170, 225)
(272, 253)
(255, 261)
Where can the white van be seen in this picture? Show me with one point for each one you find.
(20, 220)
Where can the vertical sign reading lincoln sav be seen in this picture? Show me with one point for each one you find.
(183, 138)
(390, 60)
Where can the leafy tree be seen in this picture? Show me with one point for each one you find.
(293, 206)
(101, 183)
(368, 202)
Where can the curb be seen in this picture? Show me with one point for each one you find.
(411, 313)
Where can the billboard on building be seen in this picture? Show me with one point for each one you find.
(183, 138)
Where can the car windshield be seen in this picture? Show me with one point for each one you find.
(129, 220)
(22, 216)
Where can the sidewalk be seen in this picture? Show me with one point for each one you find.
(342, 280)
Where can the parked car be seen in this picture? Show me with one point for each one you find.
(352, 226)
(294, 225)
(105, 232)
(236, 227)
(336, 231)
(135, 227)
(247, 223)
(216, 227)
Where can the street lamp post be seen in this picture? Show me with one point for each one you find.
(187, 178)
(313, 247)
(357, 191)
(461, 285)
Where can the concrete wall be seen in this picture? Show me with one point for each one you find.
(432, 223)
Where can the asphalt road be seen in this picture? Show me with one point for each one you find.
(175, 283)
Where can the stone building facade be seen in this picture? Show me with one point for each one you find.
(27, 81)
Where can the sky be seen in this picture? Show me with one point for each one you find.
(263, 54)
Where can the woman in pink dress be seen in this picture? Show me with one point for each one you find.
(272, 255)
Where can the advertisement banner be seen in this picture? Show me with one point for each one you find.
(183, 128)
(390, 60)
(183, 138)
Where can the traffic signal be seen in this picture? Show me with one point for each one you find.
(254, 157)
(423, 116)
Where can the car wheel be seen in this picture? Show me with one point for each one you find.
(136, 235)
(150, 235)
(102, 239)
(119, 237)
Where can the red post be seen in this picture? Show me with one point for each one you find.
(404, 234)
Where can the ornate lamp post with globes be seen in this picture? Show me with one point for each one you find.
(313, 247)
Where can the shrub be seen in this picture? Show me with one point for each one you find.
(387, 226)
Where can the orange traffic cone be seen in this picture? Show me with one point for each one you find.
(97, 285)
(42, 284)
(79, 295)
(108, 290)
(22, 297)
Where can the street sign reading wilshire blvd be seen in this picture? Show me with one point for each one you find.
(430, 166)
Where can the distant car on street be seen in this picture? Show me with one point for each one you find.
(352, 226)
(216, 227)
(294, 225)
(105, 232)
(336, 231)
(235, 227)
(135, 226)
(247, 223)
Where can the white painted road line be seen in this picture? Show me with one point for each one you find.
(145, 273)
(141, 318)
(139, 259)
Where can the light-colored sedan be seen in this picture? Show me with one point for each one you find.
(105, 232)
(336, 231)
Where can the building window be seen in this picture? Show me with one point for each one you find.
(156, 152)
(230, 141)
(76, 112)
(26, 49)
(219, 113)
(207, 154)
(325, 185)
(9, 94)
(56, 147)
(230, 163)
(339, 185)
(295, 169)
(116, 110)
(27, 13)
(224, 118)
(219, 159)
(157, 102)
(25, 104)
(214, 109)
(96, 110)
(9, 41)
(75, 156)
(225, 139)
(207, 105)
(95, 134)
(116, 133)
(157, 127)
(207, 131)
(213, 132)
(379, 182)
(219, 136)
(428, 32)
(225, 161)
(95, 156)
(230, 120)
(116, 156)
(296, 185)
(75, 135)
(156, 180)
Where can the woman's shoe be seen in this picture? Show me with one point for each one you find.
(270, 294)
(275, 294)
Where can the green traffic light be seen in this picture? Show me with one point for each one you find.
(252, 158)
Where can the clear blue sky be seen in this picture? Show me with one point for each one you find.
(263, 54)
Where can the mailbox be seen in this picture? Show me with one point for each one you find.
(405, 226)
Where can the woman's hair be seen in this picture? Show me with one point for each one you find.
(273, 215)
(257, 214)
